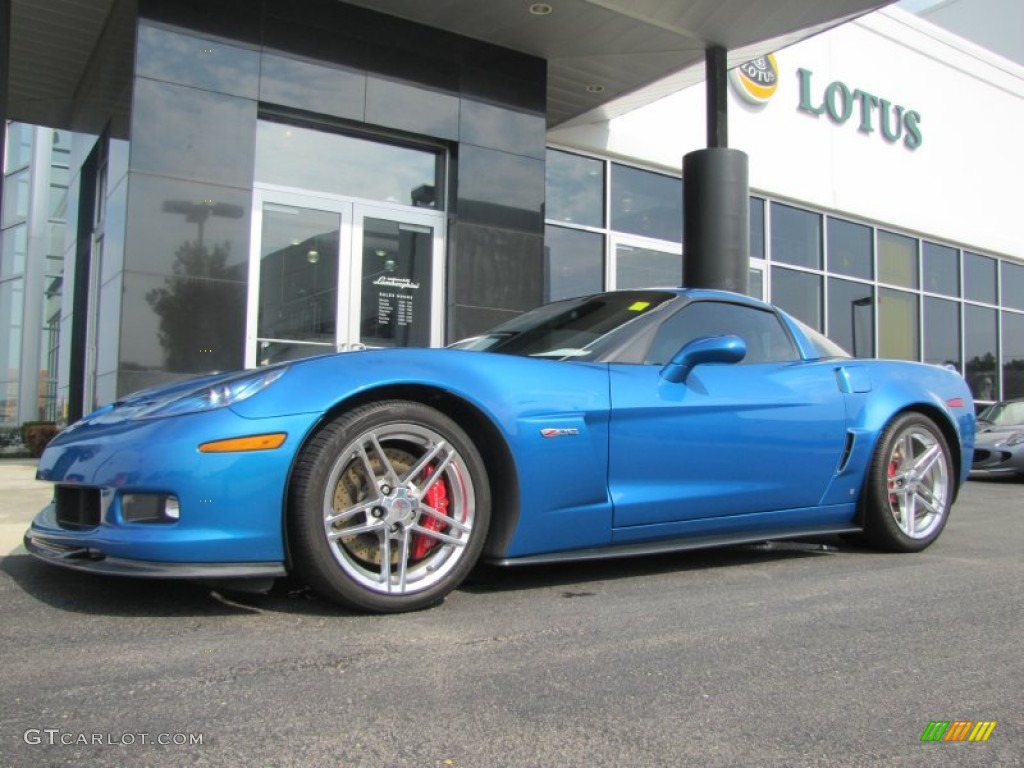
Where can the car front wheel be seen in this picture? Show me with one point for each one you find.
(388, 508)
(910, 485)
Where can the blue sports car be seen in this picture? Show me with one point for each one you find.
(616, 424)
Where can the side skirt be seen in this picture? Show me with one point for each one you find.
(674, 545)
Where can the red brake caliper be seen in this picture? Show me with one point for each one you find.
(436, 498)
(892, 482)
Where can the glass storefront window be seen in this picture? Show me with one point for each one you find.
(646, 203)
(396, 284)
(11, 311)
(756, 228)
(851, 316)
(299, 276)
(573, 263)
(575, 189)
(637, 267)
(980, 349)
(302, 157)
(14, 251)
(942, 332)
(849, 248)
(979, 278)
(19, 146)
(796, 237)
(1013, 355)
(799, 294)
(755, 283)
(941, 269)
(1013, 285)
(897, 259)
(898, 327)
(16, 193)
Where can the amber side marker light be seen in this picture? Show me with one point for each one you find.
(250, 443)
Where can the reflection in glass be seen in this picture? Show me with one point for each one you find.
(344, 165)
(162, 213)
(799, 294)
(298, 281)
(14, 251)
(19, 146)
(796, 237)
(1013, 355)
(190, 133)
(499, 189)
(328, 89)
(980, 339)
(646, 268)
(941, 269)
(646, 203)
(575, 189)
(756, 228)
(198, 322)
(755, 283)
(849, 248)
(851, 316)
(396, 284)
(11, 311)
(1013, 285)
(573, 263)
(897, 259)
(898, 328)
(979, 278)
(15, 198)
(942, 332)
(190, 60)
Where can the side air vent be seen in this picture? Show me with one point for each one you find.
(847, 452)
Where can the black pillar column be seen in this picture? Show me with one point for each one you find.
(716, 225)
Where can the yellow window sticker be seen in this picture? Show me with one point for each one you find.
(639, 306)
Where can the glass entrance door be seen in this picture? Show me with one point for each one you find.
(328, 274)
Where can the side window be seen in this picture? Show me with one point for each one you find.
(766, 338)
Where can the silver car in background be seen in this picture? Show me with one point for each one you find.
(999, 446)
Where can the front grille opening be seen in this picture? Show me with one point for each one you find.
(77, 508)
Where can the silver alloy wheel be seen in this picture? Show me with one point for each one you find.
(398, 508)
(918, 482)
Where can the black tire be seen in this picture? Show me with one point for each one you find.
(910, 485)
(362, 495)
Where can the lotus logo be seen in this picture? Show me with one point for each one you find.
(756, 80)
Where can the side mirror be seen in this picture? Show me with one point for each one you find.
(707, 349)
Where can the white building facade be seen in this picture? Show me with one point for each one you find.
(884, 177)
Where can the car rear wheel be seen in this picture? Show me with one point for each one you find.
(388, 508)
(910, 485)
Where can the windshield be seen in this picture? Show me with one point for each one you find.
(1004, 414)
(566, 329)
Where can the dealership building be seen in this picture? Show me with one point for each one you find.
(229, 184)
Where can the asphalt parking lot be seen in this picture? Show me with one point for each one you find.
(805, 654)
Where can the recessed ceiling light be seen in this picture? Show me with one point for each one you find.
(595, 88)
(541, 9)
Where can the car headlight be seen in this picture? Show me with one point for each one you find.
(219, 394)
(1015, 439)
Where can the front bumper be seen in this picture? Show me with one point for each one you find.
(231, 522)
(94, 561)
(997, 459)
